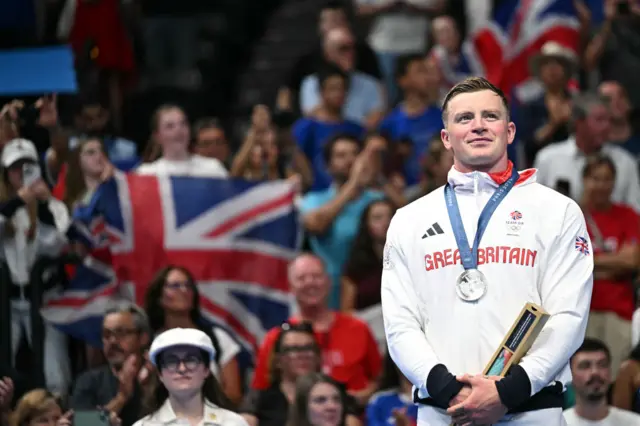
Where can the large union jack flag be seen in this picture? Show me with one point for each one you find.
(501, 50)
(236, 238)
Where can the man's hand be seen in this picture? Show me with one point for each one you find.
(114, 420)
(66, 419)
(461, 396)
(483, 406)
(127, 377)
(361, 172)
(6, 394)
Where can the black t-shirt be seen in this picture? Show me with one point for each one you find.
(271, 407)
(97, 387)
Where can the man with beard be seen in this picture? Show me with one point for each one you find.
(591, 369)
(116, 386)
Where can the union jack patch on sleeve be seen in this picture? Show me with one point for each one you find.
(582, 245)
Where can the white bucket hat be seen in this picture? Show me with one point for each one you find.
(180, 337)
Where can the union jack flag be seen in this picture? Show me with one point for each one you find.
(582, 245)
(236, 238)
(501, 50)
(516, 215)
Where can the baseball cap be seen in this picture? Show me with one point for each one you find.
(18, 149)
(180, 337)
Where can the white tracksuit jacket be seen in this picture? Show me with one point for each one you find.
(532, 258)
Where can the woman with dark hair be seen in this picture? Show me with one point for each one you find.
(172, 300)
(361, 278)
(319, 401)
(295, 353)
(184, 390)
(394, 403)
(614, 230)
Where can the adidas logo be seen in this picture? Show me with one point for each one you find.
(434, 230)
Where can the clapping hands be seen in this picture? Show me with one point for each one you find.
(6, 394)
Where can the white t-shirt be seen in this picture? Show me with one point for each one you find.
(228, 347)
(399, 32)
(195, 166)
(616, 417)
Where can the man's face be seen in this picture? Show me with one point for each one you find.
(619, 105)
(477, 130)
(309, 281)
(343, 155)
(211, 142)
(121, 338)
(340, 49)
(334, 92)
(596, 126)
(416, 78)
(94, 119)
(591, 374)
(331, 19)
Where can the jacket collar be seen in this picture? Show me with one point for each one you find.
(167, 416)
(473, 180)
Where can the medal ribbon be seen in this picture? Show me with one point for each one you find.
(469, 254)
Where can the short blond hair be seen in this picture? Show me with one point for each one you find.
(33, 404)
(472, 85)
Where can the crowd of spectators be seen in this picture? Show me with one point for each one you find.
(356, 126)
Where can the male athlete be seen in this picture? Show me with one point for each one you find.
(449, 299)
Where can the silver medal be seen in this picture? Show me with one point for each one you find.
(471, 285)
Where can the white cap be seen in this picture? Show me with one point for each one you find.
(180, 337)
(18, 149)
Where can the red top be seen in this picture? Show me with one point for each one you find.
(101, 23)
(619, 225)
(349, 353)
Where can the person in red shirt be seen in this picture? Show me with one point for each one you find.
(614, 230)
(349, 351)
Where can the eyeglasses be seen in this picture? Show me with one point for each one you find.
(298, 349)
(172, 363)
(178, 285)
(118, 333)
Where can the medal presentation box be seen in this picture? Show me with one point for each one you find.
(518, 340)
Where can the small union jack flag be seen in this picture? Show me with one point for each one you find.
(582, 245)
(516, 215)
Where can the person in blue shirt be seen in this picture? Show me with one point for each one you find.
(418, 117)
(311, 133)
(393, 405)
(331, 216)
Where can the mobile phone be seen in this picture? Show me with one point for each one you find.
(564, 187)
(91, 418)
(30, 174)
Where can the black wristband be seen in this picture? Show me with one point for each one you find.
(515, 388)
(442, 385)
